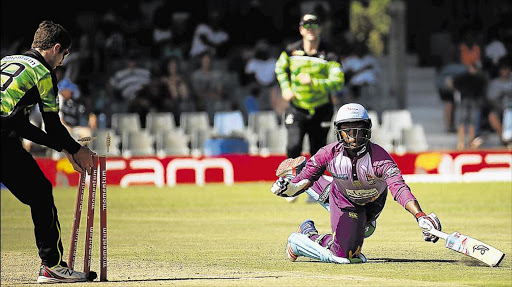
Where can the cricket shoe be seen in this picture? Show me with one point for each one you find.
(307, 227)
(59, 274)
(362, 257)
(358, 258)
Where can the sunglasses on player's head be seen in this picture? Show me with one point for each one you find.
(310, 26)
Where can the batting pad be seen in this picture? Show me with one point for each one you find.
(303, 246)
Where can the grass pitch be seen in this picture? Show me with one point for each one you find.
(220, 235)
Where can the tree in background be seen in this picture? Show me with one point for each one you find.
(370, 23)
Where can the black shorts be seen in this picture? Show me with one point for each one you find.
(299, 122)
(446, 95)
(468, 112)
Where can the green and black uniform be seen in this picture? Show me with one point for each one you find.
(311, 110)
(27, 80)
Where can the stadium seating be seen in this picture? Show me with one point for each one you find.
(380, 137)
(215, 105)
(197, 140)
(137, 143)
(263, 134)
(273, 141)
(258, 123)
(157, 122)
(414, 139)
(229, 124)
(192, 121)
(220, 146)
(375, 119)
(197, 126)
(331, 136)
(172, 142)
(306, 148)
(262, 120)
(393, 122)
(99, 145)
(122, 122)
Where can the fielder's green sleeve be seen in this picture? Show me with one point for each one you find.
(28, 80)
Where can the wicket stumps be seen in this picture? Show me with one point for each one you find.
(90, 218)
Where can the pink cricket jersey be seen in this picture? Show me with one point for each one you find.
(358, 181)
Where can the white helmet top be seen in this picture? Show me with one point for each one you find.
(352, 113)
(350, 135)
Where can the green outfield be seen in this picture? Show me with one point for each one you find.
(220, 235)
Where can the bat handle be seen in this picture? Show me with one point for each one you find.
(438, 233)
(315, 196)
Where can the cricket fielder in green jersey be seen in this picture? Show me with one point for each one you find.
(308, 72)
(27, 80)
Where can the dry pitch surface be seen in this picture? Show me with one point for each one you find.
(235, 236)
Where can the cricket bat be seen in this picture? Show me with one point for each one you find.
(471, 247)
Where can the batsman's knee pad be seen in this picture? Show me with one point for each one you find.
(300, 245)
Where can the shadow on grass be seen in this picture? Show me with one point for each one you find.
(389, 260)
(157, 280)
(400, 260)
(192, 278)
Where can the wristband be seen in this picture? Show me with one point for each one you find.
(419, 214)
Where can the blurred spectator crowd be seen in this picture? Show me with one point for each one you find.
(475, 83)
(144, 58)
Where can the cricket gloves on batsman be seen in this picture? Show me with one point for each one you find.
(285, 188)
(428, 222)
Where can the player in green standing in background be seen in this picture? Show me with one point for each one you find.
(308, 71)
(27, 80)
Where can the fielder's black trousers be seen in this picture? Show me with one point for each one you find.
(23, 177)
(300, 122)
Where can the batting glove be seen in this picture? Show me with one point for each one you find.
(428, 222)
(284, 187)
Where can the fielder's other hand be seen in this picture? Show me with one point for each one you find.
(83, 157)
(284, 187)
(304, 78)
(76, 167)
(429, 222)
(288, 95)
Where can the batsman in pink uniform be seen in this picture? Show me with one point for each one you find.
(361, 173)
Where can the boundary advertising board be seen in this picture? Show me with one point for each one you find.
(230, 169)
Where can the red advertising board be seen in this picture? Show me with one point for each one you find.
(230, 169)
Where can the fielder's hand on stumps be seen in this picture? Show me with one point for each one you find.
(428, 222)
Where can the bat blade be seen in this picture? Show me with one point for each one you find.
(474, 248)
